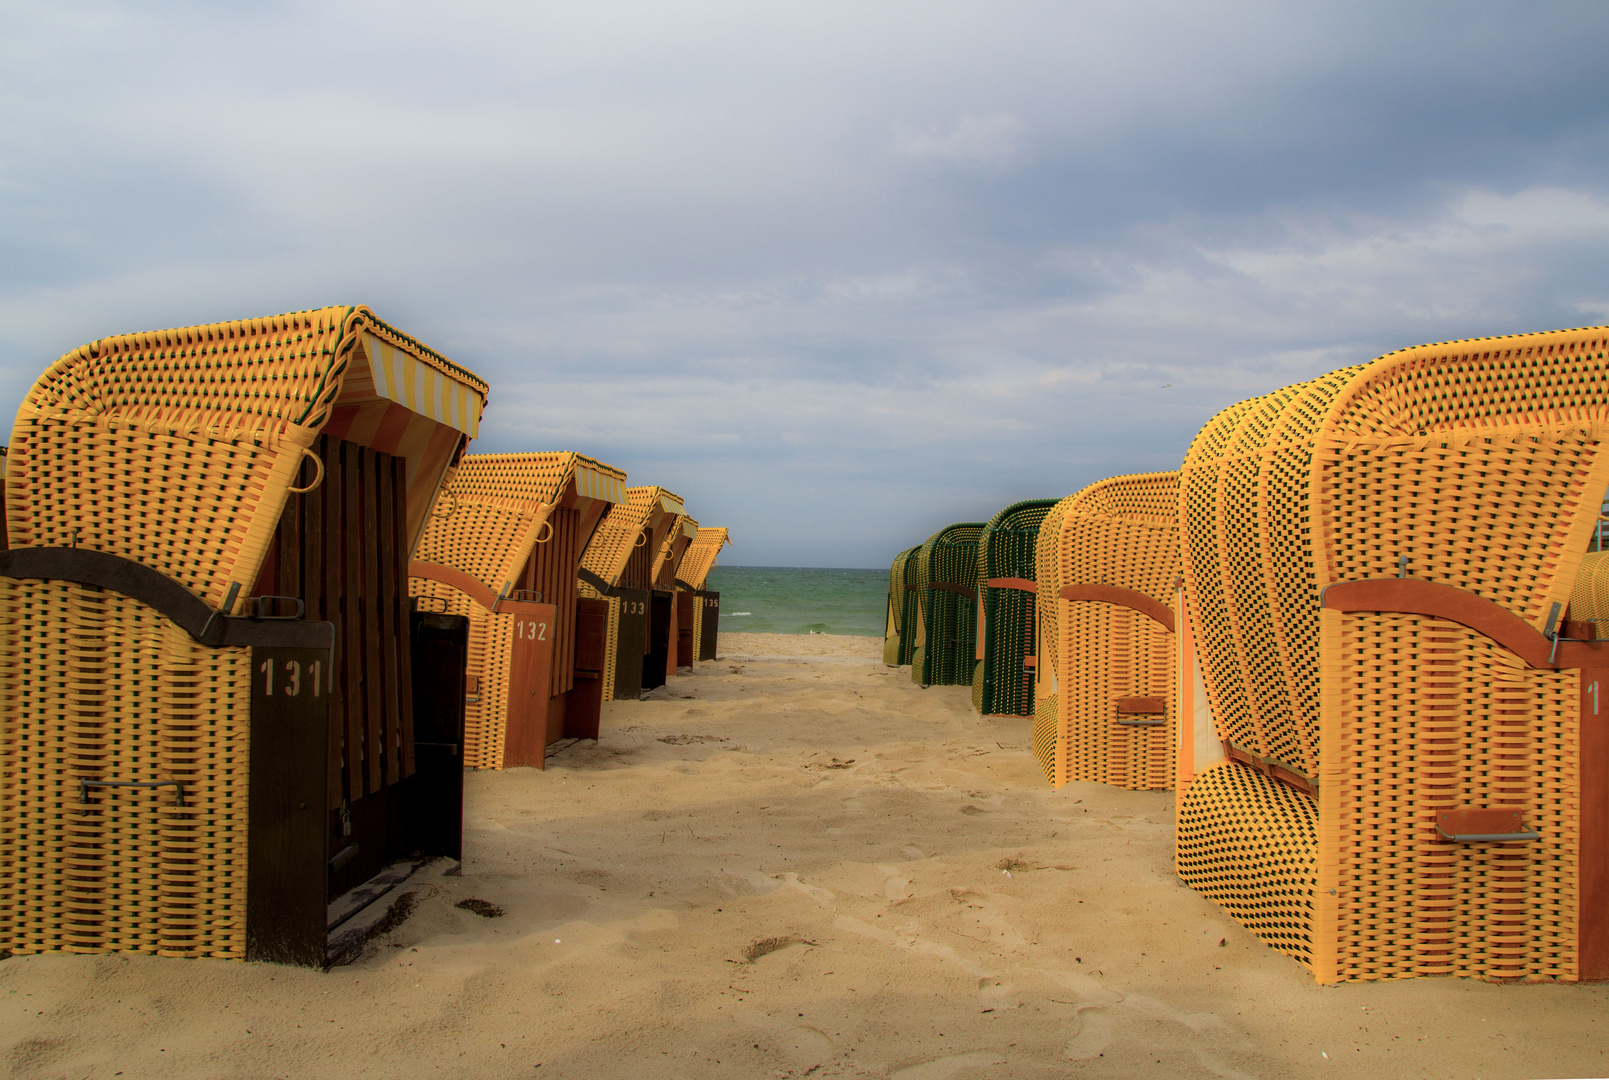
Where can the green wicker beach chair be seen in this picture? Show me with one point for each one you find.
(947, 606)
(899, 639)
(1002, 679)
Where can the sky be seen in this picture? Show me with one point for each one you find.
(837, 273)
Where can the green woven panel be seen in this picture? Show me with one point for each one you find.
(946, 580)
(1006, 550)
(899, 639)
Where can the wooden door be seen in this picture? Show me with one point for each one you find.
(527, 731)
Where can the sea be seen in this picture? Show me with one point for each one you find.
(800, 600)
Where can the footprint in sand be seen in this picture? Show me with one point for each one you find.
(1094, 1033)
(944, 1067)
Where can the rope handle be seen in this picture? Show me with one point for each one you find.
(545, 508)
(318, 477)
(642, 540)
(434, 510)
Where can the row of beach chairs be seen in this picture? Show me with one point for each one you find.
(260, 611)
(1359, 632)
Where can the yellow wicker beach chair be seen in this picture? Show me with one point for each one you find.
(692, 576)
(1378, 565)
(220, 714)
(1109, 555)
(502, 548)
(619, 569)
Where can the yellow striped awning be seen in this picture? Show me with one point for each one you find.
(670, 503)
(593, 483)
(422, 388)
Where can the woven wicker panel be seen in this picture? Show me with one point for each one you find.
(668, 556)
(1464, 723)
(700, 557)
(1589, 598)
(489, 516)
(1119, 532)
(1114, 652)
(947, 633)
(1047, 575)
(1245, 498)
(1007, 549)
(1047, 709)
(899, 637)
(1251, 844)
(99, 686)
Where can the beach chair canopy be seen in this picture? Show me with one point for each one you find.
(253, 395)
(1002, 683)
(699, 560)
(153, 479)
(1377, 563)
(1107, 561)
(496, 509)
(636, 529)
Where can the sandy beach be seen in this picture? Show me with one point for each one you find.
(794, 863)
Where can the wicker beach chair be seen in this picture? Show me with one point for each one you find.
(618, 571)
(1003, 679)
(946, 606)
(1109, 557)
(502, 548)
(1378, 565)
(899, 635)
(220, 714)
(692, 577)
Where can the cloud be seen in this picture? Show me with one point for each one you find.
(837, 273)
(989, 142)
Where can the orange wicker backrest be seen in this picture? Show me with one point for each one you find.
(1118, 532)
(701, 554)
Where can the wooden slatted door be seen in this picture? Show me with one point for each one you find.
(584, 711)
(341, 548)
(709, 625)
(684, 629)
(631, 642)
(527, 730)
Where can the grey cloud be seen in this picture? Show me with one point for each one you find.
(836, 272)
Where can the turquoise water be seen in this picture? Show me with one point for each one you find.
(797, 600)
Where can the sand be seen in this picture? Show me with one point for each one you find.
(794, 863)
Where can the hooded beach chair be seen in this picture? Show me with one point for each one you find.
(1108, 562)
(1003, 680)
(1401, 769)
(946, 606)
(692, 576)
(502, 548)
(617, 574)
(899, 635)
(221, 715)
(670, 643)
